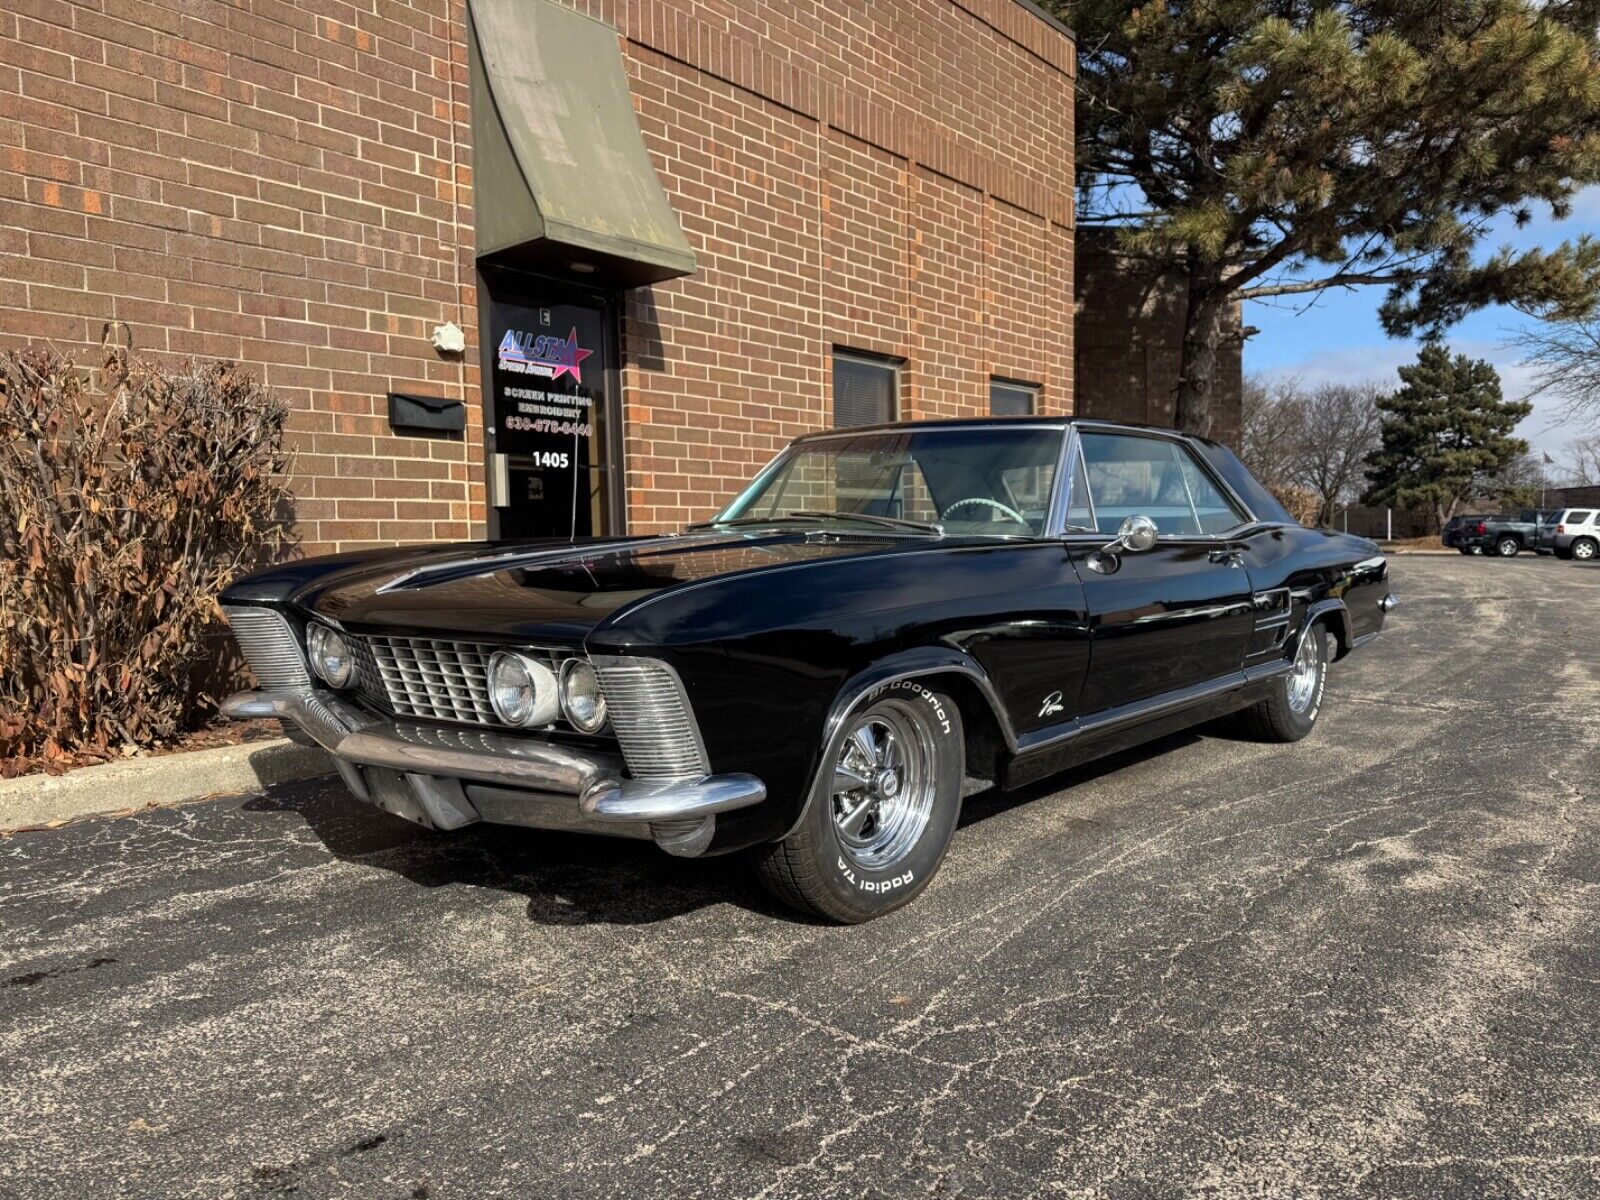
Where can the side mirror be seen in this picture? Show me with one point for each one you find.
(1135, 535)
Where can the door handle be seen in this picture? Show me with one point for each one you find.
(1230, 557)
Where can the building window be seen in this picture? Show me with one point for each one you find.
(1007, 399)
(865, 389)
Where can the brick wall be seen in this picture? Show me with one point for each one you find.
(893, 177)
(280, 184)
(289, 185)
(1130, 338)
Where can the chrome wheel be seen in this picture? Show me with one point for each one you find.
(883, 784)
(1306, 674)
(1583, 550)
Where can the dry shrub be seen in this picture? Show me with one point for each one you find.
(1303, 504)
(126, 510)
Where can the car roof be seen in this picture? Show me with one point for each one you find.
(1057, 422)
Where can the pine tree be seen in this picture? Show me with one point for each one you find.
(1446, 432)
(1280, 147)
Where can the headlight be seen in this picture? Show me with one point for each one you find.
(522, 690)
(330, 656)
(581, 698)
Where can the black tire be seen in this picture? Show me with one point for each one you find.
(1507, 547)
(818, 870)
(1585, 549)
(1279, 718)
(1464, 549)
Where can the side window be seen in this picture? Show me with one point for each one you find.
(1126, 475)
(910, 500)
(1028, 488)
(1579, 518)
(1214, 512)
(1080, 515)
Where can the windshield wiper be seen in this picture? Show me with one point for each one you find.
(814, 516)
(871, 519)
(810, 518)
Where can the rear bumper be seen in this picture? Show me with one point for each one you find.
(449, 776)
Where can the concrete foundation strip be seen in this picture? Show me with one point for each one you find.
(120, 788)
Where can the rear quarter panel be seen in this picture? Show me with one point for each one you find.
(1321, 564)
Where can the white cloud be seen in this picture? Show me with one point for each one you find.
(1586, 206)
(1545, 428)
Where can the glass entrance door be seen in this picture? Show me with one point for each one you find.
(553, 411)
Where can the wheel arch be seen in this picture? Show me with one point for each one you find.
(987, 733)
(1336, 616)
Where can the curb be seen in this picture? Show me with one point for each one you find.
(121, 788)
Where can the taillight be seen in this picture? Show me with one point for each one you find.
(1561, 528)
(1482, 528)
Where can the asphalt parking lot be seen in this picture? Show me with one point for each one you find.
(1364, 965)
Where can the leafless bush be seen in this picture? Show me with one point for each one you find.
(1303, 504)
(127, 509)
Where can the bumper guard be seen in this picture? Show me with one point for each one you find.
(449, 776)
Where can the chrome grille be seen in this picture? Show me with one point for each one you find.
(270, 646)
(650, 714)
(428, 678)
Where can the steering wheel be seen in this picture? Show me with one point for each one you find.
(1004, 509)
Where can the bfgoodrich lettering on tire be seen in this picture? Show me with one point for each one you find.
(882, 812)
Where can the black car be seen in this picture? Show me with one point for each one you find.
(811, 675)
(1504, 535)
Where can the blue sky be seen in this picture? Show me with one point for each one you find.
(1338, 338)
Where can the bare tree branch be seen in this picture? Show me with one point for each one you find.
(1347, 279)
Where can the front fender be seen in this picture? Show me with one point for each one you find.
(779, 721)
(917, 662)
(911, 664)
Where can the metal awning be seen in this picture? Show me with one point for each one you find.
(560, 172)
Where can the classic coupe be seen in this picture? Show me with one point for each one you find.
(817, 675)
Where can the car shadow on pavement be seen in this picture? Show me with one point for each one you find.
(991, 801)
(577, 879)
(566, 878)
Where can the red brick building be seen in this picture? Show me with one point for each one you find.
(1129, 340)
(843, 211)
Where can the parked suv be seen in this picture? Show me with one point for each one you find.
(1572, 533)
(1505, 535)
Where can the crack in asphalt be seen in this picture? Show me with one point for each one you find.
(1365, 965)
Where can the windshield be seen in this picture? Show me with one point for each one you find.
(982, 481)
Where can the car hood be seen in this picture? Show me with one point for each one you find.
(555, 591)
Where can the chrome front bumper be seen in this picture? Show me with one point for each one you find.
(445, 777)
